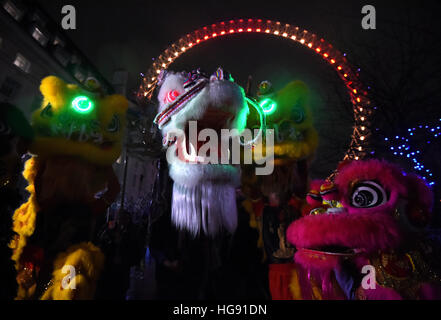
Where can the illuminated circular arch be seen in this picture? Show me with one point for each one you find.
(332, 56)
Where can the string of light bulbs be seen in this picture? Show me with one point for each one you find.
(358, 95)
(400, 147)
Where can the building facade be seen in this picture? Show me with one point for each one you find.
(33, 46)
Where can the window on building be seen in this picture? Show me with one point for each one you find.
(75, 59)
(22, 63)
(58, 41)
(79, 75)
(38, 35)
(62, 56)
(10, 88)
(13, 10)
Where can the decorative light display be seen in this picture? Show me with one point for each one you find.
(399, 146)
(332, 56)
(82, 104)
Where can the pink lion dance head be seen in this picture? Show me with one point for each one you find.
(376, 205)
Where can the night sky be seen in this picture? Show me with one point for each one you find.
(129, 34)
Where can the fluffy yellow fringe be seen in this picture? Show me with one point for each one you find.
(87, 260)
(24, 217)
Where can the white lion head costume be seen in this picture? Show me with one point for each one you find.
(204, 194)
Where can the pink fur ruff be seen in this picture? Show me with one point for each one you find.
(370, 232)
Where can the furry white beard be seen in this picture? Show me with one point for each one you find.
(204, 198)
(207, 207)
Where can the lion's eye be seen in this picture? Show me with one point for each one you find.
(368, 194)
(298, 115)
(314, 196)
(171, 96)
(114, 124)
(268, 106)
(82, 104)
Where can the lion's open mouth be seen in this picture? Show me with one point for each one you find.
(342, 233)
(199, 136)
(333, 250)
(204, 184)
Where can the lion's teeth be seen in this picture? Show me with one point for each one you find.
(335, 210)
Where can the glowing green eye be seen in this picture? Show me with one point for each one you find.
(268, 106)
(82, 104)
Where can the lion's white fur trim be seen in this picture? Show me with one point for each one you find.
(204, 195)
(206, 207)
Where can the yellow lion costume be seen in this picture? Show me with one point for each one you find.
(78, 136)
(288, 112)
